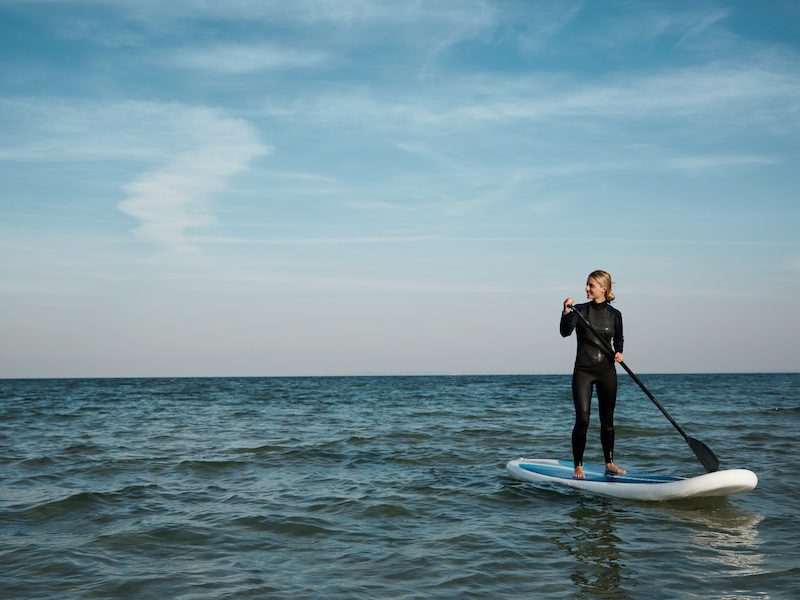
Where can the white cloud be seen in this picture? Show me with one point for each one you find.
(239, 59)
(698, 25)
(430, 24)
(321, 241)
(758, 93)
(58, 129)
(545, 23)
(715, 162)
(196, 151)
(643, 24)
(174, 197)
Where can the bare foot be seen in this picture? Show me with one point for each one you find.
(578, 474)
(612, 469)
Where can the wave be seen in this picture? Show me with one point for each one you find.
(82, 449)
(37, 462)
(159, 540)
(75, 504)
(211, 466)
(290, 526)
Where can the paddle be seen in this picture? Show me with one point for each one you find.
(703, 453)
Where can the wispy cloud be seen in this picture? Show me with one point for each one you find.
(644, 24)
(432, 25)
(195, 150)
(240, 59)
(320, 241)
(717, 162)
(699, 24)
(549, 20)
(56, 128)
(755, 92)
(278, 280)
(173, 198)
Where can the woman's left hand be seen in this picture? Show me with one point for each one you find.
(618, 357)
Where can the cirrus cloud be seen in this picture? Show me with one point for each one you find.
(175, 196)
(184, 154)
(239, 59)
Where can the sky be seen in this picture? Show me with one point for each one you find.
(358, 187)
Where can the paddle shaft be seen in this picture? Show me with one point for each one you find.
(703, 453)
(656, 402)
(632, 374)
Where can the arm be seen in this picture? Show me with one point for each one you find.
(619, 339)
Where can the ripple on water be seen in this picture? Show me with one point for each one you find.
(75, 505)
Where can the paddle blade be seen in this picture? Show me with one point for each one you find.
(704, 454)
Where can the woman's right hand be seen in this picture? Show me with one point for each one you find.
(567, 305)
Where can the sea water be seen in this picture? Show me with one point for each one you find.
(384, 487)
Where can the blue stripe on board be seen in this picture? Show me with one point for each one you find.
(594, 473)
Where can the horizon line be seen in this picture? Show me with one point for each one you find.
(371, 376)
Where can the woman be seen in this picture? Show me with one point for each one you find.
(594, 366)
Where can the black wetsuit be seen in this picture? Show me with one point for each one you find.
(594, 367)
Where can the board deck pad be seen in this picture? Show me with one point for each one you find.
(633, 485)
(564, 469)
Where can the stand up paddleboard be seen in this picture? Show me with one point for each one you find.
(634, 486)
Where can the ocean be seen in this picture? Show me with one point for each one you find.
(385, 487)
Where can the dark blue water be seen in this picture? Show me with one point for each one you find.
(384, 488)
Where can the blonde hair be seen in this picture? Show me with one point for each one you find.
(604, 279)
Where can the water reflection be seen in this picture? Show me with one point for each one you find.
(729, 534)
(591, 539)
(721, 542)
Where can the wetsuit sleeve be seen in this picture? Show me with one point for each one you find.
(619, 340)
(567, 325)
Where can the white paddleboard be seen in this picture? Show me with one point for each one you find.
(633, 486)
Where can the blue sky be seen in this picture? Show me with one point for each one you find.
(363, 187)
